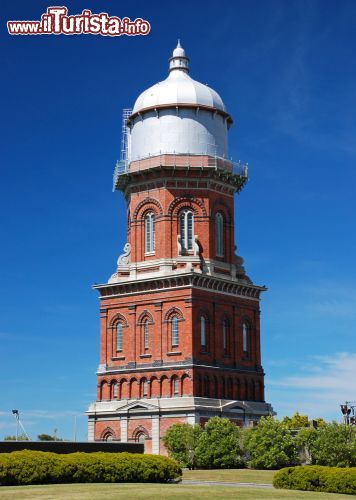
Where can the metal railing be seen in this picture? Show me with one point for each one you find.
(180, 161)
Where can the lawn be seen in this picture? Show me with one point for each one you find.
(154, 491)
(231, 475)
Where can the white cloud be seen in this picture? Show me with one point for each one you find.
(322, 384)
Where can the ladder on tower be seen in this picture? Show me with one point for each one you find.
(122, 164)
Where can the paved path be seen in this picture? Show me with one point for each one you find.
(233, 485)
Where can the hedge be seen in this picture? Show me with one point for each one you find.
(38, 467)
(317, 478)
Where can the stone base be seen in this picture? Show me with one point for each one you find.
(142, 420)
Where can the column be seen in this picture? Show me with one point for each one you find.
(123, 422)
(155, 435)
(91, 430)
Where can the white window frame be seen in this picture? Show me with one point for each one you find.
(203, 331)
(175, 331)
(150, 233)
(219, 234)
(245, 335)
(119, 336)
(146, 338)
(186, 230)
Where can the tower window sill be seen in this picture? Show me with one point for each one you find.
(149, 254)
(174, 353)
(118, 358)
(145, 355)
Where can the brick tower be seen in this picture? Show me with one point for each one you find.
(179, 319)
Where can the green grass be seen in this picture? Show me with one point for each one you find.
(231, 475)
(154, 492)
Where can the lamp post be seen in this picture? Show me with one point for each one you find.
(17, 416)
(348, 411)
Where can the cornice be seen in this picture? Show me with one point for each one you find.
(185, 280)
(185, 364)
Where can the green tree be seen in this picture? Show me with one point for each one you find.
(181, 442)
(320, 422)
(48, 437)
(332, 444)
(219, 445)
(20, 437)
(297, 421)
(270, 445)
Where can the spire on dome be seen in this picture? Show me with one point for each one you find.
(179, 61)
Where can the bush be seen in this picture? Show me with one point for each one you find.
(317, 478)
(38, 467)
(270, 445)
(333, 445)
(219, 445)
(181, 441)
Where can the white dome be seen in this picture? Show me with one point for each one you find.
(178, 88)
(178, 116)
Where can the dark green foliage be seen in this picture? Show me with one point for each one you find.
(317, 478)
(270, 445)
(20, 437)
(335, 446)
(181, 441)
(219, 445)
(48, 437)
(38, 467)
(332, 444)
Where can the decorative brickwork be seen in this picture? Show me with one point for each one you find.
(179, 319)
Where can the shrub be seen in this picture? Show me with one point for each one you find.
(181, 441)
(317, 478)
(38, 467)
(270, 445)
(219, 445)
(333, 445)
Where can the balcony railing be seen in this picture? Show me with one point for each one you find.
(180, 161)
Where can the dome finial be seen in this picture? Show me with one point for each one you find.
(179, 61)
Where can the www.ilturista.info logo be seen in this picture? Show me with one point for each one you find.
(57, 22)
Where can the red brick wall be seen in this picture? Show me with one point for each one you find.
(107, 426)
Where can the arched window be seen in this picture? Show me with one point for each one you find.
(150, 235)
(245, 335)
(219, 235)
(108, 436)
(145, 334)
(119, 336)
(203, 332)
(226, 335)
(175, 331)
(186, 230)
(175, 386)
(140, 437)
(115, 390)
(145, 389)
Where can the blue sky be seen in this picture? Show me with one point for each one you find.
(287, 73)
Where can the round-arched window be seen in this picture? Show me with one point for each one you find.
(219, 234)
(186, 220)
(150, 233)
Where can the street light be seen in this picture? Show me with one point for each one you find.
(16, 414)
(347, 409)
